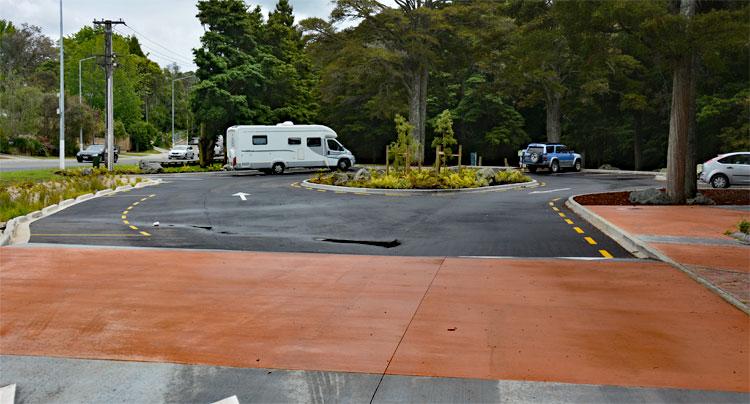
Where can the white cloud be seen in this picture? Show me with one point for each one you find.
(169, 23)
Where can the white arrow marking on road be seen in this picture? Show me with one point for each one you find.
(242, 195)
(551, 190)
(228, 400)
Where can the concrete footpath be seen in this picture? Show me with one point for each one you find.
(415, 321)
(693, 237)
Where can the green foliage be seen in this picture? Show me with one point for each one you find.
(510, 177)
(31, 192)
(142, 135)
(444, 135)
(743, 226)
(404, 145)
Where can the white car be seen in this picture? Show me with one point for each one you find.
(727, 169)
(183, 152)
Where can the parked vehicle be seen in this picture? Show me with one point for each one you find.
(553, 156)
(273, 149)
(93, 150)
(183, 152)
(728, 169)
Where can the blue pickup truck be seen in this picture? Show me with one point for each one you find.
(553, 156)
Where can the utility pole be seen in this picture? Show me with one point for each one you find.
(173, 80)
(61, 104)
(80, 101)
(108, 68)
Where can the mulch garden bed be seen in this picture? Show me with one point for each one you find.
(720, 196)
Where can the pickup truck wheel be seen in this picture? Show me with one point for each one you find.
(278, 169)
(577, 166)
(343, 164)
(554, 167)
(720, 181)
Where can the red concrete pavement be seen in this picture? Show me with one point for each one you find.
(622, 323)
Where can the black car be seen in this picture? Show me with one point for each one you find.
(93, 150)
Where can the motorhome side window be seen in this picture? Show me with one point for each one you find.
(333, 145)
(260, 140)
(314, 142)
(295, 140)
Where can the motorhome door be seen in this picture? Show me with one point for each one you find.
(317, 157)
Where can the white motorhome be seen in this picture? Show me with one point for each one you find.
(273, 149)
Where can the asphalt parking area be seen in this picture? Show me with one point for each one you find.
(274, 213)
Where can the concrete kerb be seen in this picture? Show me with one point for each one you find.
(658, 176)
(380, 191)
(17, 229)
(637, 246)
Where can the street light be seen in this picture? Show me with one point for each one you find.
(80, 100)
(62, 93)
(173, 80)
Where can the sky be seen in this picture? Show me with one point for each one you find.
(167, 29)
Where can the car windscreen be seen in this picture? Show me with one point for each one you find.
(180, 148)
(97, 147)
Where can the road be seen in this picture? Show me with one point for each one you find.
(205, 211)
(30, 163)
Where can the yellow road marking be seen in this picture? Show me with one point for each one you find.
(568, 221)
(126, 222)
(125, 212)
(339, 192)
(152, 195)
(605, 254)
(590, 240)
(555, 209)
(135, 203)
(578, 230)
(143, 199)
(551, 204)
(123, 217)
(145, 234)
(360, 193)
(321, 190)
(561, 214)
(556, 199)
(82, 235)
(133, 227)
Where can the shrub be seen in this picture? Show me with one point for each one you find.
(744, 226)
(423, 179)
(390, 181)
(510, 177)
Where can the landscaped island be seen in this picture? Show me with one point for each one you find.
(421, 178)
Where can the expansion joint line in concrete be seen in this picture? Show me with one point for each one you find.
(406, 329)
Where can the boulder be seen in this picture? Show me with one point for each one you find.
(700, 199)
(340, 179)
(150, 167)
(486, 174)
(87, 171)
(362, 174)
(608, 167)
(650, 196)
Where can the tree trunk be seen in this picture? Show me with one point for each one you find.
(553, 117)
(691, 159)
(683, 95)
(637, 150)
(418, 107)
(206, 145)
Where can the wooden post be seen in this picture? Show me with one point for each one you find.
(387, 162)
(480, 161)
(437, 160)
(406, 161)
(460, 149)
(506, 161)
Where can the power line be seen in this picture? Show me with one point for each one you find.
(159, 54)
(154, 42)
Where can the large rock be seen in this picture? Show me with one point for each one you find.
(486, 174)
(362, 174)
(608, 167)
(650, 196)
(87, 171)
(150, 167)
(340, 179)
(700, 199)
